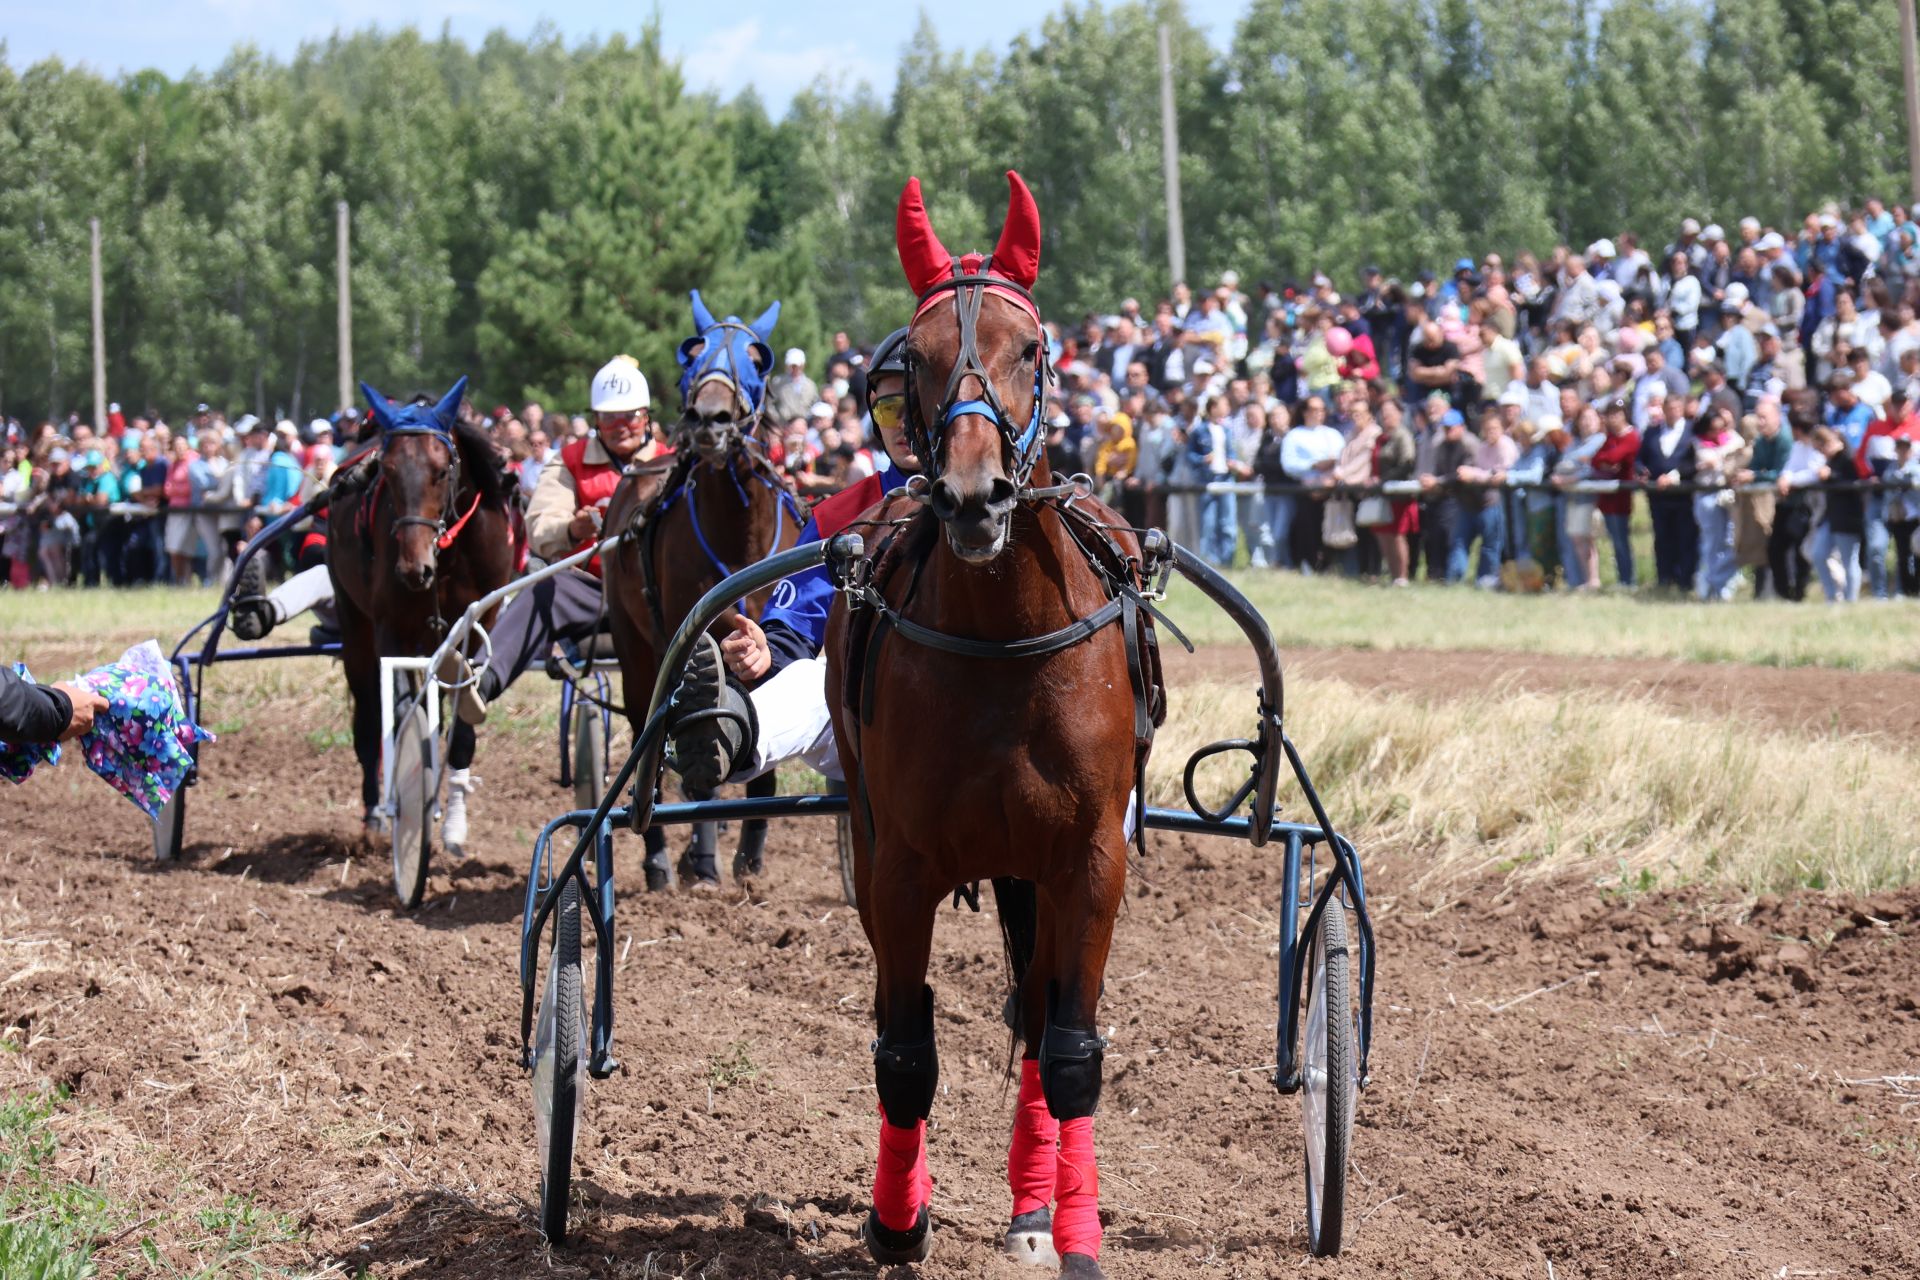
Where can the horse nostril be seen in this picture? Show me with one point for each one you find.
(946, 499)
(1000, 494)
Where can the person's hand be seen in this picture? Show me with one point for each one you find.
(1826, 473)
(86, 705)
(1428, 482)
(1743, 477)
(746, 650)
(584, 525)
(1667, 481)
(1783, 485)
(1325, 464)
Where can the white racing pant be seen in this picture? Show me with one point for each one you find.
(794, 725)
(300, 593)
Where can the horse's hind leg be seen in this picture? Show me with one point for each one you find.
(1080, 930)
(906, 1067)
(362, 665)
(699, 868)
(750, 858)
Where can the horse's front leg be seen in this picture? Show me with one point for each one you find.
(1081, 927)
(900, 910)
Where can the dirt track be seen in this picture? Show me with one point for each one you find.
(1645, 1089)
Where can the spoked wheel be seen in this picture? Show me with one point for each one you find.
(413, 779)
(1329, 1080)
(843, 828)
(559, 1069)
(589, 756)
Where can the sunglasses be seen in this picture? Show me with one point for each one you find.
(890, 410)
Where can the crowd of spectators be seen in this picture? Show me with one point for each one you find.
(1498, 425)
(1756, 387)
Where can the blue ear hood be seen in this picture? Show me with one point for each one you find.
(440, 418)
(730, 349)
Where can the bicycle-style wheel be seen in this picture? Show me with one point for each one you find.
(1329, 1080)
(589, 755)
(413, 787)
(559, 1067)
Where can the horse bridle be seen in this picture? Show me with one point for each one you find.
(451, 499)
(1023, 444)
(708, 367)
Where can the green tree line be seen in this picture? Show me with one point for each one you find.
(525, 208)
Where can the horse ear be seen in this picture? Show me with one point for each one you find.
(447, 412)
(379, 408)
(922, 256)
(763, 327)
(702, 318)
(762, 354)
(1017, 256)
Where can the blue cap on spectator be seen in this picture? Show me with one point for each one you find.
(1465, 264)
(91, 458)
(1452, 418)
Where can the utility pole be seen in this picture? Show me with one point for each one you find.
(1170, 158)
(99, 341)
(1910, 75)
(344, 289)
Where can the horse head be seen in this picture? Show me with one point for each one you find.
(419, 468)
(723, 377)
(976, 370)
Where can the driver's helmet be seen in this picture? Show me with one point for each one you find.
(620, 387)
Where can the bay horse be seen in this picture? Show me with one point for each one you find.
(408, 551)
(1004, 609)
(720, 507)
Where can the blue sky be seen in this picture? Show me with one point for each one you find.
(777, 47)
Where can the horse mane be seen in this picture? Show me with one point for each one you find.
(483, 463)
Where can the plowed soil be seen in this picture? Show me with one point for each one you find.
(1565, 1086)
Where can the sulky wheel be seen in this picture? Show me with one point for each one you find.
(843, 828)
(589, 755)
(170, 826)
(559, 1069)
(413, 787)
(1329, 1080)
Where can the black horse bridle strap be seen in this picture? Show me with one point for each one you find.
(1030, 647)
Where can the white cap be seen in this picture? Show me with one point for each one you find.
(113, 407)
(620, 387)
(1549, 422)
(1515, 393)
(1230, 278)
(318, 425)
(246, 424)
(1714, 232)
(1770, 241)
(1689, 226)
(1736, 296)
(795, 356)
(1749, 223)
(1601, 249)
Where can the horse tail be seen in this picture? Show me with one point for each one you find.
(1018, 902)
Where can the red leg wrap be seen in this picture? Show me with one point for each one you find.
(1031, 1157)
(1076, 1218)
(901, 1185)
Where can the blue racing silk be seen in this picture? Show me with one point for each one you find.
(795, 621)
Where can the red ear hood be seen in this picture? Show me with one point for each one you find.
(1017, 256)
(922, 256)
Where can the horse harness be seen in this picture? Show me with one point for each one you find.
(445, 533)
(1132, 584)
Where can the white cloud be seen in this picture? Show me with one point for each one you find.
(729, 59)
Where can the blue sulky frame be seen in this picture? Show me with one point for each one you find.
(192, 664)
(641, 771)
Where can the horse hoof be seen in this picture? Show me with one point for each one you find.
(703, 884)
(699, 873)
(1082, 1267)
(372, 824)
(1030, 1239)
(659, 879)
(746, 868)
(894, 1248)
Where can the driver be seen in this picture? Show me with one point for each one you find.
(785, 715)
(563, 517)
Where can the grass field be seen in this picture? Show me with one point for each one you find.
(1301, 611)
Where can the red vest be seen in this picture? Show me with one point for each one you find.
(593, 484)
(836, 511)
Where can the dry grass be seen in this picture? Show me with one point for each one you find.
(1619, 791)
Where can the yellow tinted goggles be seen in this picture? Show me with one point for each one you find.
(889, 411)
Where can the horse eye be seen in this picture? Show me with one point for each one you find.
(1031, 353)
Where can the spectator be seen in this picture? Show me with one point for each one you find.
(1667, 458)
(1394, 459)
(1481, 511)
(184, 488)
(1720, 454)
(1308, 455)
(1352, 469)
(1793, 518)
(1837, 539)
(791, 393)
(1755, 512)
(1433, 363)
(1683, 298)
(1903, 512)
(1113, 462)
(1616, 459)
(1207, 456)
(1579, 552)
(1276, 508)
